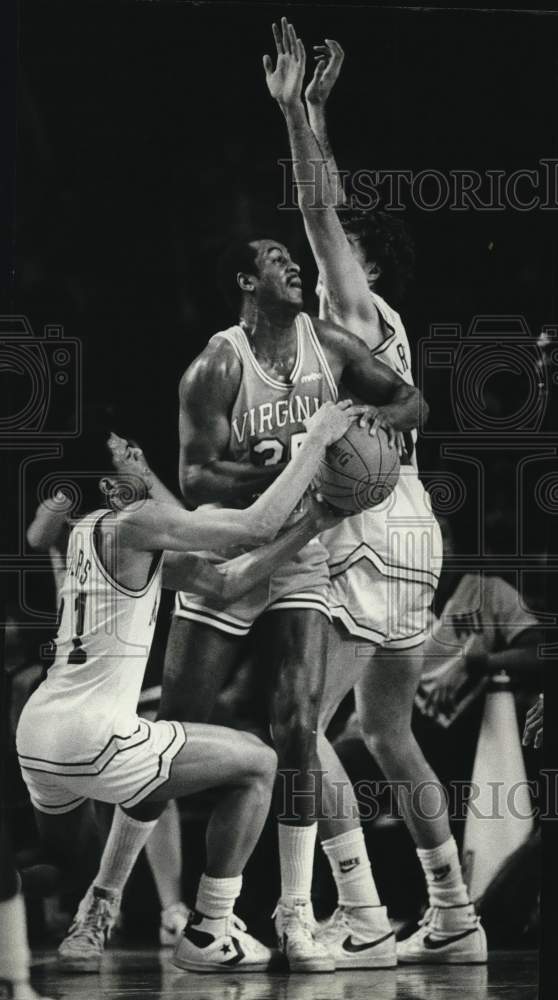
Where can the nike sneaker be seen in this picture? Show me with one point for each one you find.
(451, 935)
(359, 938)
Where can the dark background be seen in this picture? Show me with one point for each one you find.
(147, 141)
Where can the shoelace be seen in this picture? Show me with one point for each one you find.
(424, 923)
(302, 922)
(337, 920)
(91, 924)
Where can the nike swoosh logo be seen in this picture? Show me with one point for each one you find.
(349, 944)
(434, 943)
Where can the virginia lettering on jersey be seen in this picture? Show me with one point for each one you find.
(268, 417)
(268, 414)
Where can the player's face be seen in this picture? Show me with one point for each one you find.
(122, 490)
(278, 279)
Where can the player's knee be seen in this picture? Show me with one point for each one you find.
(258, 761)
(384, 742)
(296, 735)
(267, 763)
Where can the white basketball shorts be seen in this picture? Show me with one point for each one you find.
(124, 772)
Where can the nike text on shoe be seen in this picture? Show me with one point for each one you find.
(231, 950)
(82, 948)
(446, 936)
(295, 928)
(359, 943)
(173, 921)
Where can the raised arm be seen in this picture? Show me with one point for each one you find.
(329, 60)
(154, 527)
(207, 392)
(50, 525)
(344, 278)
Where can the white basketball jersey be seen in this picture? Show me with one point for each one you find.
(396, 534)
(104, 637)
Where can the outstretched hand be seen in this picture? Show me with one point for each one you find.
(533, 732)
(330, 58)
(285, 81)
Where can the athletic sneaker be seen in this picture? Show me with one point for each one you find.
(357, 943)
(295, 927)
(234, 950)
(450, 935)
(82, 948)
(173, 921)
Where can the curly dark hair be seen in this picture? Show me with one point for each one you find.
(385, 240)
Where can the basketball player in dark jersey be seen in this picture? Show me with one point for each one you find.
(242, 406)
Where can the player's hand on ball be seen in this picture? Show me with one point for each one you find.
(285, 81)
(533, 732)
(333, 420)
(329, 58)
(376, 416)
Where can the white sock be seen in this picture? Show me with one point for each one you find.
(126, 839)
(14, 949)
(164, 854)
(444, 878)
(216, 898)
(351, 869)
(296, 856)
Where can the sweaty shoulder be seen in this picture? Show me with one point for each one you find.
(334, 338)
(213, 376)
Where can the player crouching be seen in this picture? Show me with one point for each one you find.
(79, 737)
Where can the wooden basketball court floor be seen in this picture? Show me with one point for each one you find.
(147, 973)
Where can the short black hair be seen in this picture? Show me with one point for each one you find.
(386, 240)
(238, 257)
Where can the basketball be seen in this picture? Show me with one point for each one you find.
(359, 471)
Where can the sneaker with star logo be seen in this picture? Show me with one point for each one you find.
(449, 935)
(219, 946)
(359, 938)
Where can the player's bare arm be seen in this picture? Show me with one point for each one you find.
(207, 391)
(328, 62)
(344, 277)
(230, 580)
(153, 527)
(50, 525)
(394, 405)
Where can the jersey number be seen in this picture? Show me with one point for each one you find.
(275, 450)
(78, 654)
